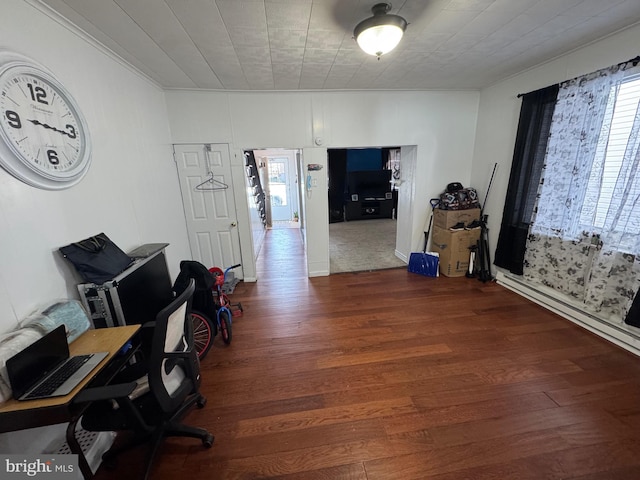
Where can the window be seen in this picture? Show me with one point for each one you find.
(278, 182)
(584, 239)
(616, 140)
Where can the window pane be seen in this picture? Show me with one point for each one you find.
(613, 145)
(278, 182)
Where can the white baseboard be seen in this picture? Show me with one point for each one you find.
(401, 256)
(319, 273)
(625, 336)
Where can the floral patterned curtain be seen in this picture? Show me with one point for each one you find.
(598, 266)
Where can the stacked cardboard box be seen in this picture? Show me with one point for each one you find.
(454, 246)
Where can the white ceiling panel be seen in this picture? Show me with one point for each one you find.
(487, 23)
(308, 44)
(591, 8)
(515, 6)
(243, 13)
(550, 8)
(164, 28)
(326, 39)
(316, 55)
(287, 55)
(109, 18)
(202, 21)
(288, 15)
(451, 21)
(284, 38)
(471, 5)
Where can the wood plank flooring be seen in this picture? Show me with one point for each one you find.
(390, 375)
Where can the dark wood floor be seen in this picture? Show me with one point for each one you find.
(391, 375)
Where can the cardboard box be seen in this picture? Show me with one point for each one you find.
(446, 219)
(453, 248)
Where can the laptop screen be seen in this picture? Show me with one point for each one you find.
(27, 367)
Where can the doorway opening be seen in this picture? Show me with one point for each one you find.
(363, 208)
(278, 173)
(274, 196)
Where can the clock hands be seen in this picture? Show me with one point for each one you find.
(37, 122)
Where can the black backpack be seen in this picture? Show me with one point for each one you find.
(203, 301)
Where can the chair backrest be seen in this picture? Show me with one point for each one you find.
(174, 368)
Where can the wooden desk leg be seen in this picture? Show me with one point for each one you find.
(75, 447)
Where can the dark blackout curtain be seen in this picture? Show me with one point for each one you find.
(528, 159)
(633, 317)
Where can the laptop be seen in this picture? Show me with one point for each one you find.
(45, 369)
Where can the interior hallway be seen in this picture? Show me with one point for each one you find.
(282, 254)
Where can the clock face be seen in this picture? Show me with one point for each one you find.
(44, 138)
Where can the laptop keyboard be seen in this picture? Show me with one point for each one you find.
(52, 383)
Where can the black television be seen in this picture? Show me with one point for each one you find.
(374, 184)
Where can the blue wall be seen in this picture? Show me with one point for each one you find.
(359, 159)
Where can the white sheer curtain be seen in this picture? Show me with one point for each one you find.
(584, 105)
(615, 273)
(594, 261)
(622, 223)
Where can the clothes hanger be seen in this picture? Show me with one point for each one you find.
(211, 184)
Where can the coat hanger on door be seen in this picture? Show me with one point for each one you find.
(210, 184)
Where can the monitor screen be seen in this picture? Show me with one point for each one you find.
(369, 183)
(146, 290)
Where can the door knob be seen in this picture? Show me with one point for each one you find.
(234, 224)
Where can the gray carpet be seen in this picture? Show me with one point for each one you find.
(363, 245)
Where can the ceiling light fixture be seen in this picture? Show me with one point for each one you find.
(381, 33)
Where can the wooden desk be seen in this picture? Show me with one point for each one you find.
(15, 415)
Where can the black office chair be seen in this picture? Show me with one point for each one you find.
(151, 407)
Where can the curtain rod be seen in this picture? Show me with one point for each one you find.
(634, 62)
(532, 91)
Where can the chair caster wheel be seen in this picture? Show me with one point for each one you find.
(208, 441)
(202, 401)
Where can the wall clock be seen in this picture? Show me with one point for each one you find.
(44, 139)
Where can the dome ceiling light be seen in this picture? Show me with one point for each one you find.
(381, 33)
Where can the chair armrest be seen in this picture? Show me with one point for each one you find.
(187, 354)
(106, 392)
(188, 360)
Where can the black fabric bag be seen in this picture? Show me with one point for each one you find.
(203, 301)
(454, 187)
(97, 259)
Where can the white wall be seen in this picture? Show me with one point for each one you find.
(258, 229)
(440, 124)
(131, 191)
(500, 109)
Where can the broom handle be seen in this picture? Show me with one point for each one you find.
(486, 197)
(434, 202)
(426, 234)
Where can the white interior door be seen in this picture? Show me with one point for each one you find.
(207, 194)
(280, 189)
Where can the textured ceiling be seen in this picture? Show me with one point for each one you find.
(308, 44)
